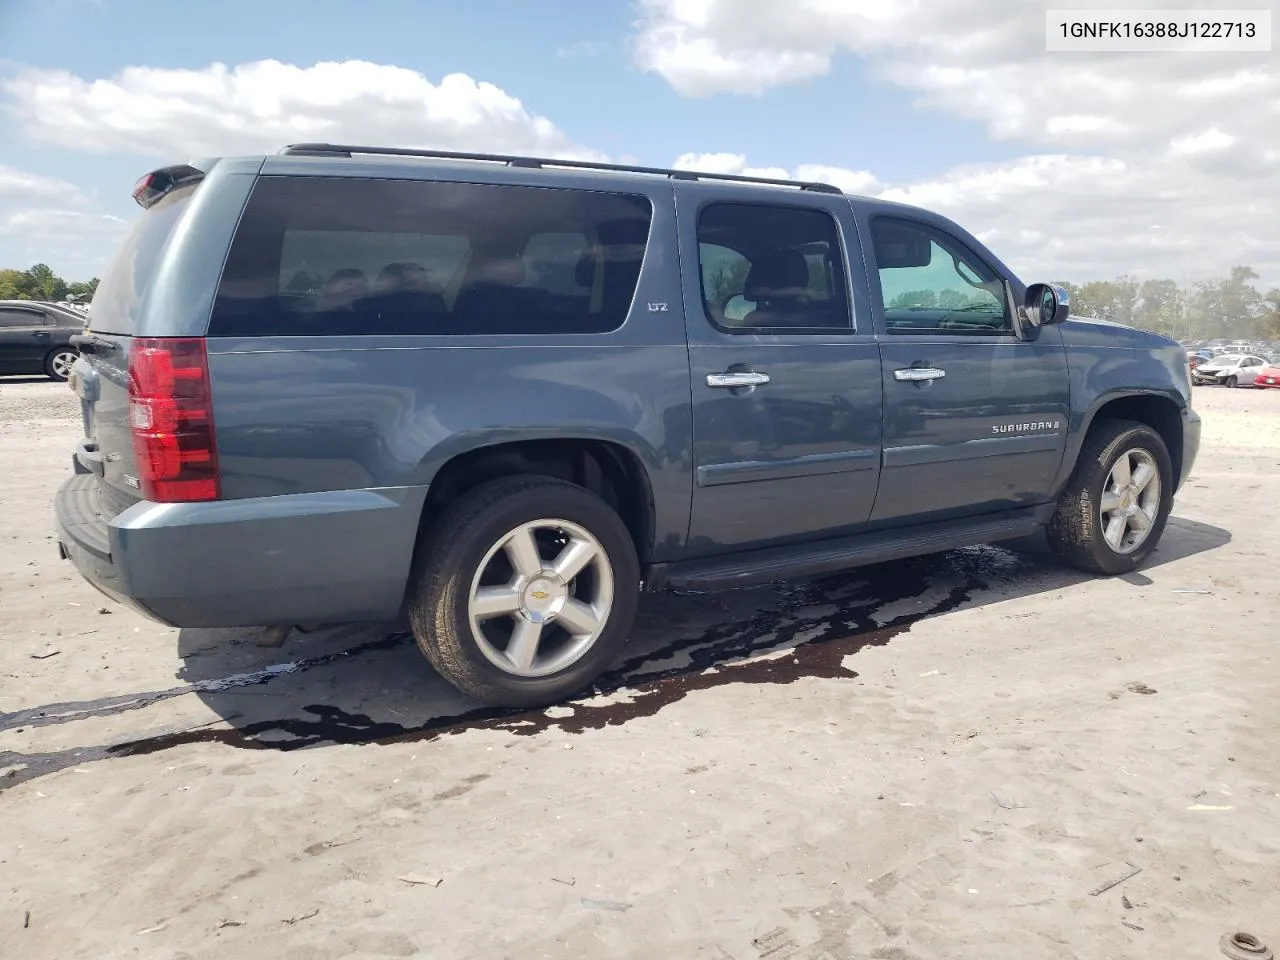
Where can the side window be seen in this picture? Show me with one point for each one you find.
(321, 256)
(771, 268)
(930, 282)
(19, 318)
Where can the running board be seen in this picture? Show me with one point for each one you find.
(812, 559)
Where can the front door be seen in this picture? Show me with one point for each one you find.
(786, 385)
(975, 416)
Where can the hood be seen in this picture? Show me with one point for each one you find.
(1094, 331)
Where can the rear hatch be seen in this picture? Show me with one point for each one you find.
(101, 376)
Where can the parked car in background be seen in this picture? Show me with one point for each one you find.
(35, 337)
(1230, 370)
(1269, 376)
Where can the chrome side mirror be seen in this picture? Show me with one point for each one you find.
(1046, 303)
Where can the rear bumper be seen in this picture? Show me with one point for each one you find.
(331, 557)
(1190, 443)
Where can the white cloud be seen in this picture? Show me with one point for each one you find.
(261, 106)
(1068, 217)
(850, 181)
(221, 110)
(46, 220)
(1114, 141)
(17, 186)
(1211, 141)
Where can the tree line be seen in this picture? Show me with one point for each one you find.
(41, 283)
(1227, 308)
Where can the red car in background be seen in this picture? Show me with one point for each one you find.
(1268, 377)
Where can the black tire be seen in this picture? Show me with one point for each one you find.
(1075, 531)
(448, 561)
(1232, 381)
(53, 363)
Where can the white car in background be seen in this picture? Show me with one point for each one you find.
(1230, 369)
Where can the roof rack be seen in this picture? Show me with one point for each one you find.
(346, 150)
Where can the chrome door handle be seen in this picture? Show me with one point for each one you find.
(743, 378)
(917, 374)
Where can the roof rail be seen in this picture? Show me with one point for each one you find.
(346, 150)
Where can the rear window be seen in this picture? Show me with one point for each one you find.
(322, 256)
(119, 293)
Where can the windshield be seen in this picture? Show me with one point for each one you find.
(116, 301)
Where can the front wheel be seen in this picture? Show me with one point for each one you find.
(1115, 507)
(58, 364)
(524, 591)
(1232, 381)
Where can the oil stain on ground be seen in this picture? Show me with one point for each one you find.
(812, 629)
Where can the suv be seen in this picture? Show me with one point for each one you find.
(35, 337)
(510, 394)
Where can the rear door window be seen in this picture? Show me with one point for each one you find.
(327, 256)
(770, 267)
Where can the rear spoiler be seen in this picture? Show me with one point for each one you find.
(151, 188)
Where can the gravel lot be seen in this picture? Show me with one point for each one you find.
(943, 758)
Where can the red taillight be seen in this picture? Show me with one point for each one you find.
(171, 416)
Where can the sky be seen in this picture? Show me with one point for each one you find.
(1070, 166)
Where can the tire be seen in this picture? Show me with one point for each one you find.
(1232, 381)
(1078, 529)
(57, 365)
(464, 551)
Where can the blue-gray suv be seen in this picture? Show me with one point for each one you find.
(510, 394)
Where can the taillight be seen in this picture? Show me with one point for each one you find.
(171, 416)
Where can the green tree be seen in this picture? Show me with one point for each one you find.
(1161, 308)
(83, 289)
(727, 280)
(39, 282)
(45, 284)
(925, 299)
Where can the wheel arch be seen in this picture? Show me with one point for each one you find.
(1159, 411)
(604, 465)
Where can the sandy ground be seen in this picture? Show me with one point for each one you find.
(956, 759)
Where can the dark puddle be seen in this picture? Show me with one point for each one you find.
(72, 710)
(848, 623)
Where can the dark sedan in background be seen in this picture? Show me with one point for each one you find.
(35, 337)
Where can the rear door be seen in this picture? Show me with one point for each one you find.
(24, 338)
(785, 368)
(975, 415)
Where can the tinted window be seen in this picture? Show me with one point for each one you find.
(19, 318)
(319, 256)
(930, 282)
(769, 267)
(115, 302)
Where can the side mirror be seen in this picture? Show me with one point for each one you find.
(1046, 303)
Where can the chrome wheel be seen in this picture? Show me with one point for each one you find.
(1130, 501)
(61, 363)
(540, 598)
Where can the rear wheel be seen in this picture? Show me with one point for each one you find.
(1115, 507)
(524, 591)
(58, 364)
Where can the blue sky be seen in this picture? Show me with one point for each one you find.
(566, 59)
(610, 80)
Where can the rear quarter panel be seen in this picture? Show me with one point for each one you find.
(310, 414)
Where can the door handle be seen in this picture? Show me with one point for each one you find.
(737, 378)
(918, 374)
